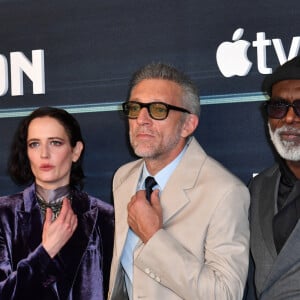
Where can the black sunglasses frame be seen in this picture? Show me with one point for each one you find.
(283, 105)
(147, 105)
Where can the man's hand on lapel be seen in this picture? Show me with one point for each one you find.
(145, 218)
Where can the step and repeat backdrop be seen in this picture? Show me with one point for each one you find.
(79, 55)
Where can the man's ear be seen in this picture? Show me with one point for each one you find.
(190, 125)
(77, 151)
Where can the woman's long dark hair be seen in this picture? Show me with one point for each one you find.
(18, 162)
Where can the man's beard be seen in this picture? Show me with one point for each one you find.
(288, 150)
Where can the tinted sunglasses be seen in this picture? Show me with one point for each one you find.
(277, 109)
(156, 110)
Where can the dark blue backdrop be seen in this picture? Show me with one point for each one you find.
(92, 47)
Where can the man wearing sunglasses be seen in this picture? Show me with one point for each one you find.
(275, 194)
(189, 239)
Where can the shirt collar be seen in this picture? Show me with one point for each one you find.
(164, 174)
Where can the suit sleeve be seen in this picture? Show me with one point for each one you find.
(220, 271)
(22, 279)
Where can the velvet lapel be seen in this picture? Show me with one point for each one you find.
(71, 254)
(266, 211)
(29, 222)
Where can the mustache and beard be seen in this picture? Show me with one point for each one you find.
(156, 146)
(287, 149)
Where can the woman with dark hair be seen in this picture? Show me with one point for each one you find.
(55, 240)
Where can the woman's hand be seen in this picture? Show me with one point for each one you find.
(56, 233)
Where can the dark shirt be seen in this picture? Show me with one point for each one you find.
(288, 203)
(287, 182)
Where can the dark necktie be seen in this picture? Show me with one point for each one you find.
(149, 184)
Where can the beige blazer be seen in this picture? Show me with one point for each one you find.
(202, 250)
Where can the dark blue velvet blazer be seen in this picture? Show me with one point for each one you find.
(81, 269)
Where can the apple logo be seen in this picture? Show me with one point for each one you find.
(232, 56)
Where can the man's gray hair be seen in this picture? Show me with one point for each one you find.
(191, 99)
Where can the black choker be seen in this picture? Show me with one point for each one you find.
(52, 199)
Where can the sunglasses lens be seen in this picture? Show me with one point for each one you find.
(276, 109)
(131, 110)
(296, 104)
(158, 111)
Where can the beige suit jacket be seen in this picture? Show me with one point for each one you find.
(202, 250)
